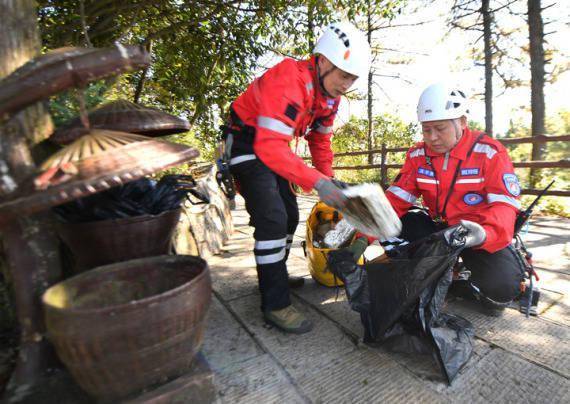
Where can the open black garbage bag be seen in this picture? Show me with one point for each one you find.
(400, 298)
(140, 197)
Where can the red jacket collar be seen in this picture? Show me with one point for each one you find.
(311, 65)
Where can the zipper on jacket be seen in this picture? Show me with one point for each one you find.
(445, 161)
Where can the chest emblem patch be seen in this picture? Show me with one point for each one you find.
(426, 172)
(512, 185)
(472, 198)
(330, 103)
(469, 171)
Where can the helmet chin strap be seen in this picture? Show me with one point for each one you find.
(458, 132)
(321, 78)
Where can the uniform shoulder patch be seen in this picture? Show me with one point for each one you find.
(512, 185)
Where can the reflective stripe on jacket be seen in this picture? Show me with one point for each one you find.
(281, 105)
(486, 190)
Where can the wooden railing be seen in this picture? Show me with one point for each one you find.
(384, 166)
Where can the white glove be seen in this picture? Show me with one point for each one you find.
(474, 237)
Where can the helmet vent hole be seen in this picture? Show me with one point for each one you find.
(343, 37)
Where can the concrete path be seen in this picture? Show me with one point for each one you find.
(515, 359)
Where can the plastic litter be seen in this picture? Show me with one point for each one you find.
(340, 235)
(369, 211)
(400, 297)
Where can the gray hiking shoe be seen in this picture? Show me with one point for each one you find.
(288, 319)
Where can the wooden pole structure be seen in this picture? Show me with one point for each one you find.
(30, 243)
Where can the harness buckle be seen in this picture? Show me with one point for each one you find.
(440, 223)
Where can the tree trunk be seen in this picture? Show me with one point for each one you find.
(370, 99)
(536, 39)
(30, 243)
(140, 85)
(144, 72)
(487, 19)
(310, 25)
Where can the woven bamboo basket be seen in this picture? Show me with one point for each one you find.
(107, 241)
(128, 326)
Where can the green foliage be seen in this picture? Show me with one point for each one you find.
(476, 125)
(557, 124)
(295, 30)
(553, 205)
(204, 53)
(65, 106)
(352, 136)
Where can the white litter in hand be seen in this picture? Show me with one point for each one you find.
(370, 212)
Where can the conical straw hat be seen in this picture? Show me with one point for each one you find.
(63, 68)
(124, 116)
(95, 162)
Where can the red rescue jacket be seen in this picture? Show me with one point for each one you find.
(283, 104)
(486, 189)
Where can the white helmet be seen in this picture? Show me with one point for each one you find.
(441, 101)
(346, 47)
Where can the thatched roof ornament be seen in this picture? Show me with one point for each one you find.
(63, 68)
(123, 116)
(95, 162)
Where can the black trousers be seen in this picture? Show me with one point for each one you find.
(494, 276)
(274, 214)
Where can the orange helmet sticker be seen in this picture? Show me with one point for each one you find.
(347, 54)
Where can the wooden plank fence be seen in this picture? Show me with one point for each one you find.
(385, 151)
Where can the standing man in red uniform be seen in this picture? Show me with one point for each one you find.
(292, 99)
(462, 175)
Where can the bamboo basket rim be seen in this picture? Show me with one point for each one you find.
(135, 304)
(121, 220)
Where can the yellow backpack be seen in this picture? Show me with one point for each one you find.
(318, 265)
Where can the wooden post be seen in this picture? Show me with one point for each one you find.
(30, 243)
(383, 169)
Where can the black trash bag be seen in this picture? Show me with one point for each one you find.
(165, 196)
(136, 198)
(452, 335)
(353, 277)
(400, 297)
(115, 203)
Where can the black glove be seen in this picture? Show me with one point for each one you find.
(330, 194)
(341, 262)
